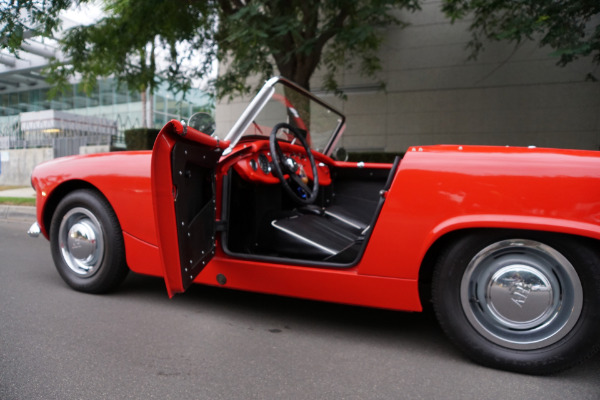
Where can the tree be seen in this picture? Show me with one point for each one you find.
(125, 43)
(298, 36)
(21, 19)
(570, 27)
(252, 37)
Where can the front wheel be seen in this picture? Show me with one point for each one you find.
(87, 243)
(525, 302)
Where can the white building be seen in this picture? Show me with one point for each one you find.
(434, 95)
(35, 128)
(23, 89)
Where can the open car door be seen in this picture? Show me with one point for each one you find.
(184, 200)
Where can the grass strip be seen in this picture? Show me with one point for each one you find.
(17, 201)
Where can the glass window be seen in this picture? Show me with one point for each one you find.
(121, 94)
(106, 93)
(172, 107)
(160, 103)
(135, 96)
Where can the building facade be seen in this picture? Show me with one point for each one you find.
(108, 101)
(35, 127)
(510, 95)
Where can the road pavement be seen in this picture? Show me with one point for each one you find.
(212, 343)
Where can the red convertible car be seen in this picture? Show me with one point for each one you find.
(504, 241)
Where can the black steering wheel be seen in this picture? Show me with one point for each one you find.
(300, 192)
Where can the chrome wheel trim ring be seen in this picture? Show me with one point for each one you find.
(81, 241)
(521, 294)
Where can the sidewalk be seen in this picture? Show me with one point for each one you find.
(17, 213)
(21, 192)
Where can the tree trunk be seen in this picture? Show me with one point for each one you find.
(144, 116)
(150, 110)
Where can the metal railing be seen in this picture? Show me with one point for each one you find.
(63, 143)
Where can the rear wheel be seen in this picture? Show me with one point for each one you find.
(87, 243)
(526, 302)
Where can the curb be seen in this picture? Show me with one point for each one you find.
(17, 213)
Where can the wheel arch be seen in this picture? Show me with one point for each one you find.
(59, 193)
(442, 243)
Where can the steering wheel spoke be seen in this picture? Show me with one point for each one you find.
(298, 180)
(281, 168)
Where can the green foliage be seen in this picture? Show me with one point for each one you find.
(299, 36)
(263, 37)
(21, 19)
(250, 37)
(125, 43)
(17, 201)
(140, 139)
(570, 27)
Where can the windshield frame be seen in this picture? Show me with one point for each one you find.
(262, 98)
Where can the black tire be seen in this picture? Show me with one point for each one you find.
(87, 243)
(521, 301)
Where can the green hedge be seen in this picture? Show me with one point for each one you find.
(140, 138)
(376, 157)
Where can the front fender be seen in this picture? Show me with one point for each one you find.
(123, 178)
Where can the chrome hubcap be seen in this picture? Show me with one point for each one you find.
(81, 241)
(521, 294)
(527, 289)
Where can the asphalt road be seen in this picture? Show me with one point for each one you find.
(212, 343)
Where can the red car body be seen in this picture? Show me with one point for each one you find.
(437, 194)
(437, 191)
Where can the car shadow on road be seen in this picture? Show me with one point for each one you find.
(279, 309)
(277, 314)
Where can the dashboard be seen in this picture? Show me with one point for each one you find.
(258, 167)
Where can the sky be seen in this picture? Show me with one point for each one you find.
(83, 14)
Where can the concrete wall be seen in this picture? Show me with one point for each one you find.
(16, 165)
(434, 94)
